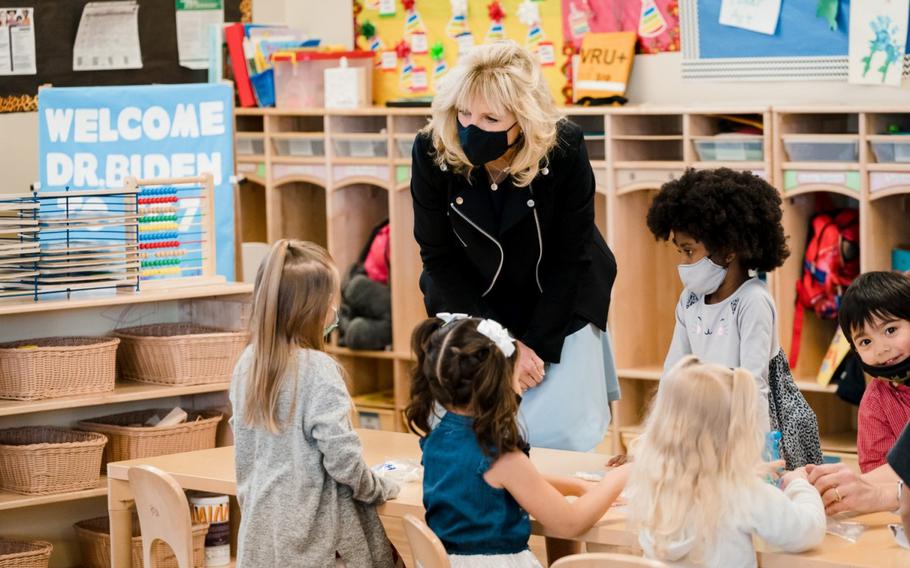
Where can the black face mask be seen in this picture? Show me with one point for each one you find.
(482, 146)
(897, 373)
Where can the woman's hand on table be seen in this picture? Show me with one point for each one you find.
(842, 489)
(529, 369)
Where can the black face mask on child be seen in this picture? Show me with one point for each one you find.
(897, 373)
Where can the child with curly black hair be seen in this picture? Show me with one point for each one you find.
(727, 228)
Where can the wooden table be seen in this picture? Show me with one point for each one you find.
(213, 470)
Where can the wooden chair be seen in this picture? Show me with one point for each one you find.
(164, 514)
(426, 548)
(605, 560)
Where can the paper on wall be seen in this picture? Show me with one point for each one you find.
(17, 41)
(108, 37)
(193, 20)
(878, 37)
(754, 15)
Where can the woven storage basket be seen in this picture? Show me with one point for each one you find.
(126, 441)
(24, 554)
(39, 460)
(57, 366)
(179, 353)
(94, 536)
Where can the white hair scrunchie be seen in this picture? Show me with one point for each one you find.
(492, 329)
(448, 318)
(498, 335)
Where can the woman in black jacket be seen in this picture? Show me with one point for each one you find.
(503, 196)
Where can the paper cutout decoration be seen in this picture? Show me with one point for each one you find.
(579, 13)
(652, 22)
(374, 42)
(387, 7)
(529, 15)
(413, 23)
(371, 5)
(403, 51)
(419, 82)
(459, 22)
(388, 60)
(878, 34)
(465, 42)
(496, 15)
(438, 55)
(419, 43)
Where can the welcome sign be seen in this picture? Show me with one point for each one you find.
(94, 137)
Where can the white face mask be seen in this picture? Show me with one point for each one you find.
(703, 277)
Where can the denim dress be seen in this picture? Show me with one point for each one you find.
(478, 524)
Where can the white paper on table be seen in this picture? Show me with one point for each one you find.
(17, 41)
(193, 20)
(878, 37)
(108, 37)
(754, 15)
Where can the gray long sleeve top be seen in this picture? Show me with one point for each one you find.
(740, 331)
(306, 493)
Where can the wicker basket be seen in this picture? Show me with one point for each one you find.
(127, 441)
(94, 536)
(179, 353)
(24, 554)
(57, 366)
(39, 460)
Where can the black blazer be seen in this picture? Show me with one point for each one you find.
(538, 268)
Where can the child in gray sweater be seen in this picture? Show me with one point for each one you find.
(307, 498)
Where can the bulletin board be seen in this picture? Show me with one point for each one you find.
(56, 24)
(435, 17)
(803, 46)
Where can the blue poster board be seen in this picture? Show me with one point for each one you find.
(803, 45)
(94, 137)
(799, 33)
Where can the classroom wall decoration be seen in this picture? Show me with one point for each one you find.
(807, 44)
(56, 23)
(417, 41)
(655, 21)
(878, 33)
(95, 137)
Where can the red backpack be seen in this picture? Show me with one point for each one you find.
(831, 263)
(376, 260)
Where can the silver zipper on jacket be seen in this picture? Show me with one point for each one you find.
(464, 244)
(540, 248)
(486, 234)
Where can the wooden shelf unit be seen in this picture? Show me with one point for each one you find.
(221, 305)
(633, 151)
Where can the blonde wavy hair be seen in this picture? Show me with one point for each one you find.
(295, 287)
(506, 77)
(697, 456)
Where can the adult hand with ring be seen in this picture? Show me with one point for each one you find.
(529, 368)
(842, 489)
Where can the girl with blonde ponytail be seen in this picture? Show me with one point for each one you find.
(301, 479)
(696, 491)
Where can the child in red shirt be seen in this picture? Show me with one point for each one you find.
(875, 317)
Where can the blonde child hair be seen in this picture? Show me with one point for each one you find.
(698, 454)
(295, 287)
(508, 78)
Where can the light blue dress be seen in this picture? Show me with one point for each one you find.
(570, 408)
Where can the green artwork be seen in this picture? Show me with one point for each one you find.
(827, 9)
(885, 40)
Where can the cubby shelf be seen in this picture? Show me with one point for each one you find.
(633, 151)
(10, 501)
(123, 392)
